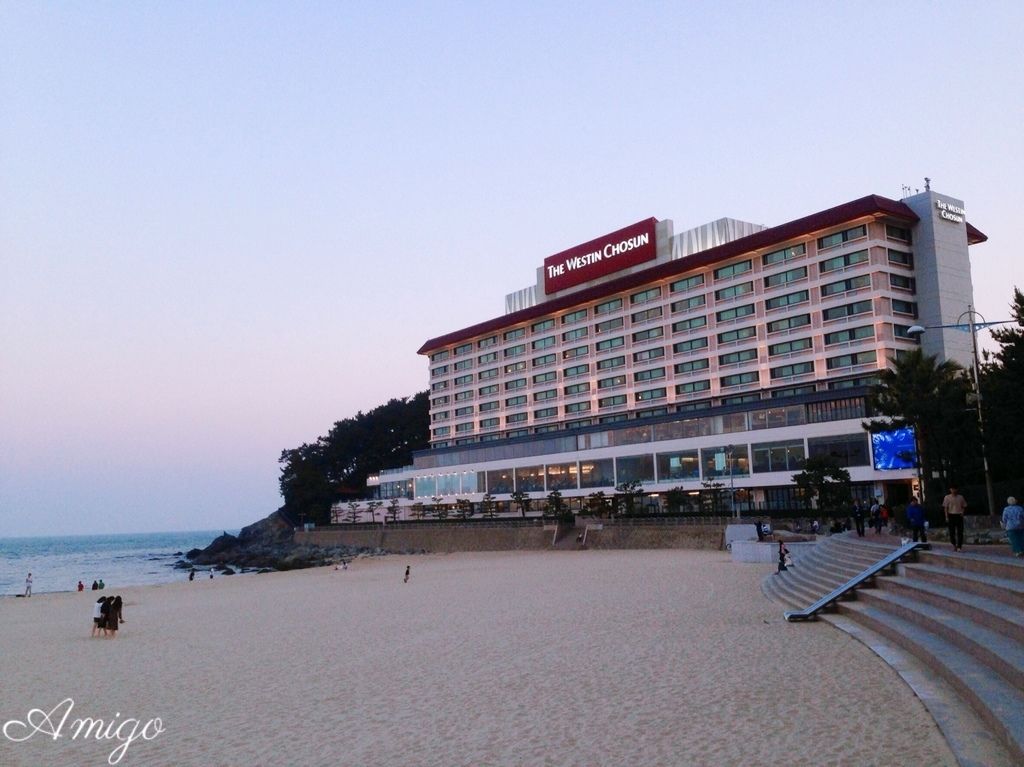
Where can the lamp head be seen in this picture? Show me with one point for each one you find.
(915, 330)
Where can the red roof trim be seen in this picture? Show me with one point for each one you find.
(865, 206)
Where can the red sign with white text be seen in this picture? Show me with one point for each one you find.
(626, 247)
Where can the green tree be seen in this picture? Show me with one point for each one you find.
(353, 513)
(597, 503)
(824, 479)
(676, 499)
(1002, 383)
(440, 508)
(371, 509)
(711, 501)
(487, 506)
(555, 504)
(463, 508)
(522, 500)
(631, 494)
(393, 509)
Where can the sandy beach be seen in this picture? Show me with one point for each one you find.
(537, 658)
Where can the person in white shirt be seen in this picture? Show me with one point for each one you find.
(28, 585)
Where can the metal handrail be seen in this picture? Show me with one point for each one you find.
(809, 613)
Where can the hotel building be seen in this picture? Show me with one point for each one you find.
(726, 354)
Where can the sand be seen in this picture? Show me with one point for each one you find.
(539, 658)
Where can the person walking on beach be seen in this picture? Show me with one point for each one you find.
(28, 585)
(954, 506)
(114, 616)
(192, 574)
(105, 603)
(915, 518)
(97, 616)
(858, 518)
(1013, 523)
(407, 569)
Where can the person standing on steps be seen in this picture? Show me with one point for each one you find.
(783, 551)
(954, 506)
(915, 518)
(1013, 523)
(858, 518)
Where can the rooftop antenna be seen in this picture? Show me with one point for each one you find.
(927, 184)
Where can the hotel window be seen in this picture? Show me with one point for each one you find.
(901, 258)
(646, 315)
(573, 335)
(687, 283)
(734, 313)
(778, 456)
(902, 282)
(847, 310)
(462, 396)
(651, 412)
(840, 409)
(843, 261)
(608, 325)
(515, 351)
(897, 233)
(578, 351)
(850, 360)
(440, 400)
(483, 391)
(483, 343)
(576, 370)
(576, 316)
(489, 423)
(737, 335)
(691, 324)
(512, 335)
(651, 394)
(439, 356)
(442, 431)
(647, 335)
(439, 386)
(649, 375)
(739, 399)
(542, 343)
(580, 388)
(483, 375)
(845, 286)
(545, 412)
(610, 363)
(733, 270)
(681, 465)
(649, 354)
(793, 391)
(618, 418)
(788, 371)
(908, 308)
(540, 396)
(551, 375)
(515, 383)
(692, 387)
(461, 411)
(463, 349)
(540, 327)
(645, 295)
(463, 380)
(734, 291)
(464, 427)
(439, 371)
(546, 359)
(689, 304)
(739, 379)
(789, 323)
(610, 383)
(547, 428)
(577, 407)
(735, 358)
(463, 365)
(515, 418)
(613, 401)
(903, 331)
(443, 415)
(789, 299)
(485, 358)
(691, 366)
(789, 347)
(610, 343)
(782, 278)
(515, 401)
(849, 334)
(837, 239)
(608, 306)
(781, 256)
(691, 345)
(848, 449)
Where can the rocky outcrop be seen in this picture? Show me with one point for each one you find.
(267, 544)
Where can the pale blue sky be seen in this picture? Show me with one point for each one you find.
(224, 226)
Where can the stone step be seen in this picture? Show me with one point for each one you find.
(839, 558)
(1005, 590)
(976, 562)
(990, 613)
(999, 703)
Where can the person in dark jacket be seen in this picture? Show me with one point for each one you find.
(915, 518)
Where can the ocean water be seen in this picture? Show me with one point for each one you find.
(57, 563)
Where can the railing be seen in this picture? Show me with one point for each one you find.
(810, 612)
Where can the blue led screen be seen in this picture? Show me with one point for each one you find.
(894, 449)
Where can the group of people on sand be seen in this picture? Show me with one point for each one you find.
(107, 616)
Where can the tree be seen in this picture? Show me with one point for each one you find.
(676, 498)
(555, 504)
(825, 480)
(711, 496)
(417, 511)
(597, 503)
(522, 500)
(393, 509)
(487, 506)
(371, 509)
(440, 509)
(1002, 383)
(463, 508)
(931, 397)
(353, 513)
(631, 492)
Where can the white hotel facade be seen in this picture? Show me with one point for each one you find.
(726, 353)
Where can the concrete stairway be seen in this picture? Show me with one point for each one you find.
(960, 615)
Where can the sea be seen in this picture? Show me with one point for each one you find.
(58, 563)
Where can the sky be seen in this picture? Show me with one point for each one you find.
(226, 226)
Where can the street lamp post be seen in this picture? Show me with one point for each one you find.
(732, 484)
(973, 327)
